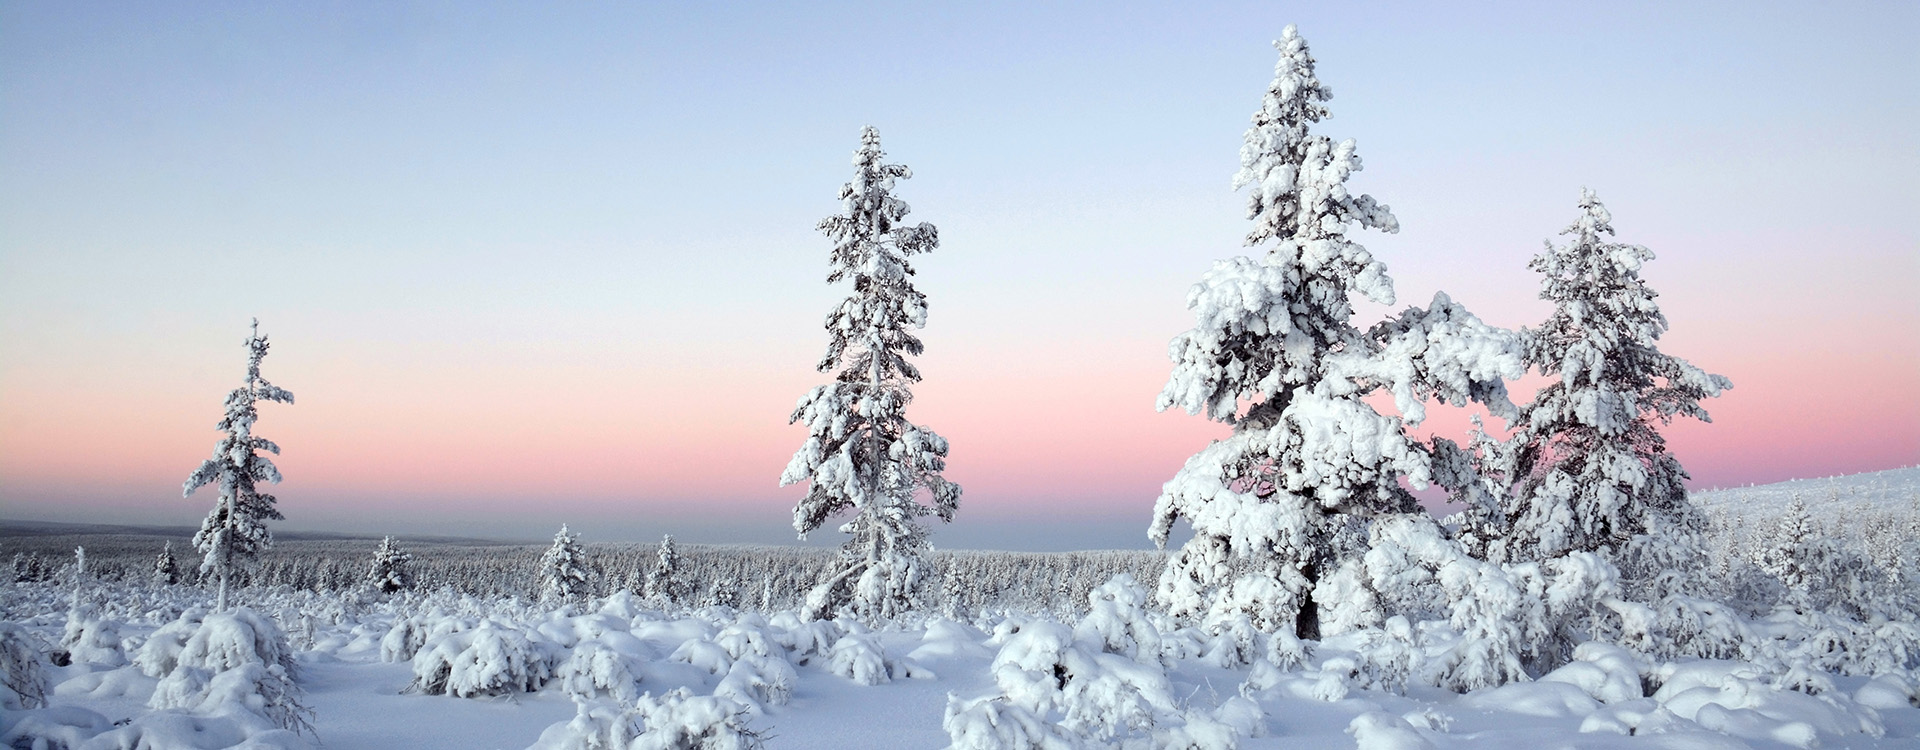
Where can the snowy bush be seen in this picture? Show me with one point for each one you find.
(992, 723)
(90, 639)
(860, 658)
(594, 670)
(230, 661)
(677, 720)
(160, 653)
(22, 675)
(1117, 620)
(1057, 690)
(493, 659)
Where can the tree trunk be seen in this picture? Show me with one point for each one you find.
(1306, 624)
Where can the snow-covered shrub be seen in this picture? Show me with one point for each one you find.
(755, 680)
(1684, 626)
(1736, 699)
(53, 728)
(860, 658)
(1056, 690)
(236, 659)
(493, 659)
(594, 670)
(160, 653)
(759, 672)
(1389, 655)
(677, 720)
(1117, 620)
(90, 639)
(1379, 730)
(1233, 641)
(22, 677)
(403, 640)
(993, 723)
(806, 639)
(1607, 673)
(596, 725)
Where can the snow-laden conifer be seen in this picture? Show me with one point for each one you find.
(664, 583)
(390, 569)
(563, 568)
(1589, 466)
(1275, 353)
(1800, 556)
(861, 453)
(166, 571)
(236, 530)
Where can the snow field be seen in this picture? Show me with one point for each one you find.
(449, 671)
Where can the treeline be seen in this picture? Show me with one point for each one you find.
(754, 577)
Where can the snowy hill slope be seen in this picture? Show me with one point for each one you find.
(1893, 489)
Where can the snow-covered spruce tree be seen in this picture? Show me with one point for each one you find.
(166, 571)
(1309, 459)
(563, 568)
(236, 530)
(1800, 556)
(1589, 469)
(390, 570)
(663, 583)
(861, 454)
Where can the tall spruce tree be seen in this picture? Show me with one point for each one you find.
(861, 453)
(1588, 466)
(236, 530)
(1275, 353)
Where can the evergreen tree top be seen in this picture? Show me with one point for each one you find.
(869, 240)
(1605, 326)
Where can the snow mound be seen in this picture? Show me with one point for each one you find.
(493, 659)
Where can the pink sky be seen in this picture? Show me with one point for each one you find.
(527, 268)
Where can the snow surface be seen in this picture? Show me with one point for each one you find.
(1120, 676)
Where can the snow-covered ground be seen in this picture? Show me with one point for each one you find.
(457, 671)
(1893, 489)
(838, 684)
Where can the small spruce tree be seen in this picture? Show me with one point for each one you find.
(563, 569)
(1589, 468)
(861, 453)
(166, 571)
(663, 584)
(1799, 555)
(390, 570)
(236, 530)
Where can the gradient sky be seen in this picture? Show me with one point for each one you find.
(525, 265)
